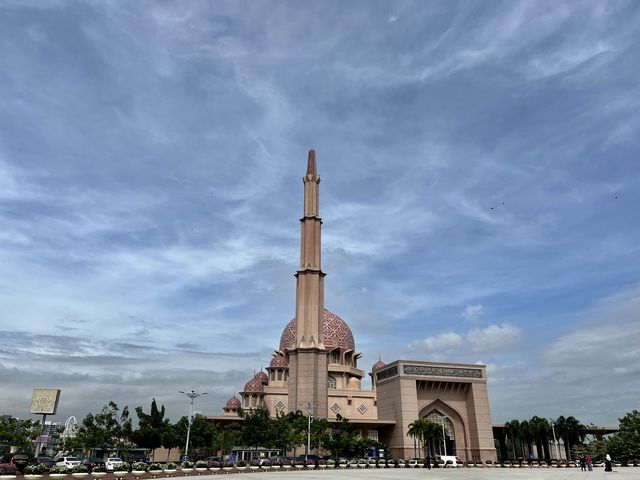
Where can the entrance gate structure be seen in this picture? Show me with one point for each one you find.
(454, 395)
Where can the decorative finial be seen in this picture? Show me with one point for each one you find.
(311, 163)
(379, 357)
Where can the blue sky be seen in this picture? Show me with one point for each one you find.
(480, 171)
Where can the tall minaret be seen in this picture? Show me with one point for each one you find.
(308, 360)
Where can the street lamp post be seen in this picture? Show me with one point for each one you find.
(444, 437)
(192, 395)
(309, 407)
(555, 442)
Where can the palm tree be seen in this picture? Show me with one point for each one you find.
(571, 431)
(415, 431)
(512, 429)
(540, 431)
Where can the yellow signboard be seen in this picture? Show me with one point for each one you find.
(44, 401)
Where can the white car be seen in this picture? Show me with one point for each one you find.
(68, 462)
(112, 462)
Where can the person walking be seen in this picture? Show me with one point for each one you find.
(607, 463)
(583, 463)
(588, 461)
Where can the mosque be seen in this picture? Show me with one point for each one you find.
(315, 369)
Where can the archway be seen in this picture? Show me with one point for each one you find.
(447, 445)
(455, 430)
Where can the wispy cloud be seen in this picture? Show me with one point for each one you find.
(478, 180)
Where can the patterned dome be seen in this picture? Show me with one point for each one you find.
(279, 362)
(254, 386)
(379, 364)
(262, 377)
(233, 403)
(336, 333)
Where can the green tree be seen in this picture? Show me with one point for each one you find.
(630, 433)
(202, 436)
(571, 431)
(540, 433)
(110, 429)
(151, 427)
(19, 433)
(512, 429)
(171, 437)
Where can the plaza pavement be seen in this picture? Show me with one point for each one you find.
(623, 473)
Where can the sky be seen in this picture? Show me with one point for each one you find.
(480, 164)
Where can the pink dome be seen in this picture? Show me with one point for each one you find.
(254, 386)
(262, 377)
(233, 403)
(336, 332)
(278, 362)
(379, 364)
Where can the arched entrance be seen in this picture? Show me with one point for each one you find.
(446, 445)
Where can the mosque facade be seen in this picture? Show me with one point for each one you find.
(315, 370)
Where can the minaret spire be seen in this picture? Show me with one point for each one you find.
(308, 360)
(311, 163)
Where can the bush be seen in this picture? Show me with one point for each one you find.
(201, 464)
(155, 467)
(170, 466)
(228, 463)
(58, 469)
(187, 465)
(8, 469)
(99, 469)
(241, 463)
(121, 467)
(139, 466)
(38, 469)
(80, 469)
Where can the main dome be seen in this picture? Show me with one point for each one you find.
(336, 332)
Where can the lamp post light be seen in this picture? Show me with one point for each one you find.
(192, 395)
(555, 442)
(444, 437)
(309, 407)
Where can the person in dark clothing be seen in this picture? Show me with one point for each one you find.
(607, 463)
(583, 463)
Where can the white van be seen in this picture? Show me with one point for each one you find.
(455, 461)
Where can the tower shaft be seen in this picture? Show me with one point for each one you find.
(308, 360)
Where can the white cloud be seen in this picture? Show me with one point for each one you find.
(443, 342)
(494, 338)
(472, 312)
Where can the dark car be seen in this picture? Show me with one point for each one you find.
(92, 462)
(136, 457)
(20, 460)
(48, 462)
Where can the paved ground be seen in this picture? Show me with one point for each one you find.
(627, 473)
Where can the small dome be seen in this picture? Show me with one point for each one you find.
(233, 403)
(278, 362)
(253, 386)
(336, 333)
(378, 365)
(262, 377)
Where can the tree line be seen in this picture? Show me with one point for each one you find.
(520, 438)
(112, 430)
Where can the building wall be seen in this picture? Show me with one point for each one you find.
(408, 390)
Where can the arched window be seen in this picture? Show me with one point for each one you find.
(279, 374)
(335, 357)
(286, 375)
(331, 382)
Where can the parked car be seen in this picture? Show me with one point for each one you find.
(68, 462)
(136, 457)
(93, 462)
(112, 462)
(20, 460)
(48, 462)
